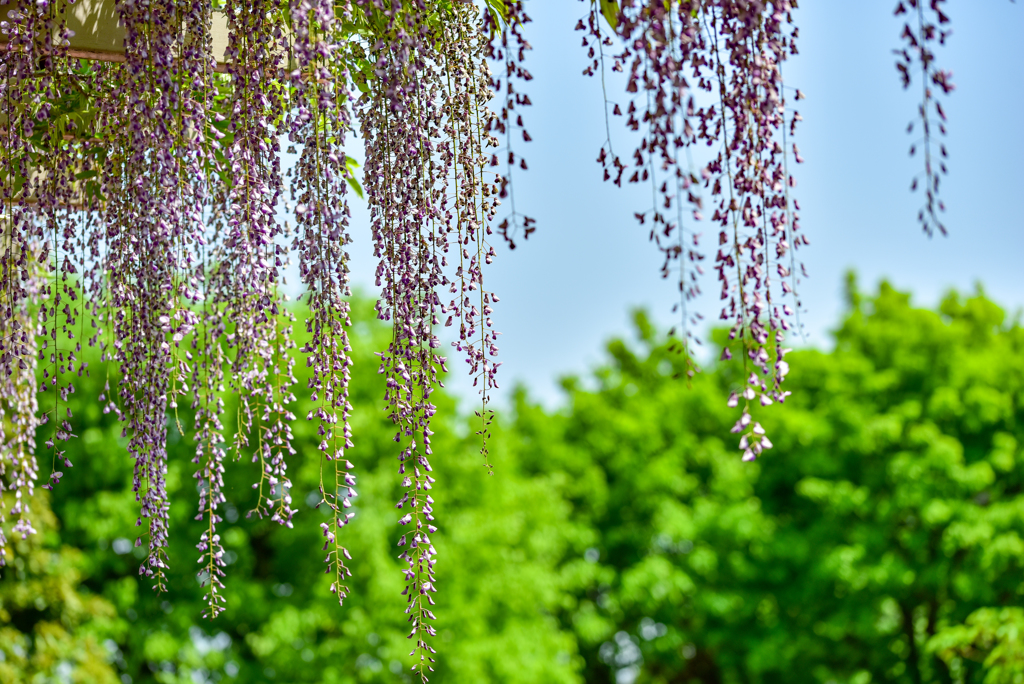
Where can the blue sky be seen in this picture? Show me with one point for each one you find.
(571, 287)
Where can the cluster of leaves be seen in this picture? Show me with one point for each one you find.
(620, 539)
(48, 626)
(889, 513)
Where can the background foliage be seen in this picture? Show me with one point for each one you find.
(620, 540)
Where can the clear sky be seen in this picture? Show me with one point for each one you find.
(571, 287)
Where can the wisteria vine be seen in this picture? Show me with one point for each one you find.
(926, 24)
(432, 201)
(704, 78)
(704, 81)
(142, 190)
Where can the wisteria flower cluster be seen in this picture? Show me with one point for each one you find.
(715, 122)
(926, 25)
(704, 81)
(142, 192)
(426, 127)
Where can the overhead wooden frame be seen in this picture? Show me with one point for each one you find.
(99, 34)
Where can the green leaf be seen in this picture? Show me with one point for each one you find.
(499, 8)
(610, 10)
(356, 187)
(351, 164)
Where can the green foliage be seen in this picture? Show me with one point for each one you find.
(610, 11)
(620, 539)
(49, 629)
(890, 508)
(991, 636)
(499, 544)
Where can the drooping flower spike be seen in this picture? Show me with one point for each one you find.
(141, 190)
(707, 74)
(507, 50)
(926, 24)
(432, 201)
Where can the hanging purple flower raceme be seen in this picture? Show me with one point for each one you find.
(106, 121)
(710, 71)
(462, 161)
(751, 210)
(926, 23)
(39, 34)
(40, 243)
(243, 304)
(425, 127)
(148, 217)
(56, 197)
(19, 284)
(319, 121)
(199, 319)
(400, 119)
(18, 412)
(664, 39)
(507, 48)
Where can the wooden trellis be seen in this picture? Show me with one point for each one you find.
(99, 34)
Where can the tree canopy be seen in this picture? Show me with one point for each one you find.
(619, 540)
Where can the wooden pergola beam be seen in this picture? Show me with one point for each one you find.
(99, 35)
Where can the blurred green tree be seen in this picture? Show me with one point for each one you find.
(890, 509)
(51, 630)
(621, 539)
(994, 637)
(502, 539)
